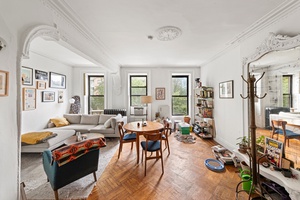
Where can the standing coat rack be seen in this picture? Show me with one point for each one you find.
(251, 95)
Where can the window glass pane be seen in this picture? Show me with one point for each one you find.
(135, 100)
(96, 103)
(138, 91)
(179, 86)
(96, 85)
(138, 81)
(179, 105)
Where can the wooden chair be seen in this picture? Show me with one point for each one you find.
(165, 134)
(152, 144)
(125, 138)
(279, 127)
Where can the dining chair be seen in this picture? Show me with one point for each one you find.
(125, 138)
(279, 128)
(152, 144)
(165, 135)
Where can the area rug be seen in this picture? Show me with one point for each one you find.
(184, 138)
(35, 179)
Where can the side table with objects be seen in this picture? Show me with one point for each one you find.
(74, 139)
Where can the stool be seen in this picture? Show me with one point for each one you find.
(175, 124)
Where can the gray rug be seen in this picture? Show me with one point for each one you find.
(35, 179)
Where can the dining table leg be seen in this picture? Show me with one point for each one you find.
(137, 148)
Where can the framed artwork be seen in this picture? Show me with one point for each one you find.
(226, 90)
(57, 80)
(29, 98)
(160, 93)
(41, 85)
(26, 75)
(4, 83)
(41, 75)
(60, 96)
(48, 96)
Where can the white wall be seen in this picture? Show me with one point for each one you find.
(37, 119)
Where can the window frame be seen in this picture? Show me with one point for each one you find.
(187, 94)
(130, 87)
(88, 91)
(290, 94)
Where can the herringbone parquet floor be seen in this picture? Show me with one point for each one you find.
(185, 177)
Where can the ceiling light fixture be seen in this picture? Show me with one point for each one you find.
(167, 33)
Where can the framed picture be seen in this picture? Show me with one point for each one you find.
(29, 98)
(4, 83)
(57, 80)
(60, 96)
(48, 96)
(41, 75)
(26, 75)
(41, 85)
(160, 93)
(226, 90)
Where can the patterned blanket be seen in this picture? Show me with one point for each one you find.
(71, 152)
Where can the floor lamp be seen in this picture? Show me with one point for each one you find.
(146, 100)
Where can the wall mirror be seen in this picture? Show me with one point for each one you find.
(279, 58)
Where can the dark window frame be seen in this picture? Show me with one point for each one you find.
(130, 87)
(187, 94)
(290, 94)
(89, 85)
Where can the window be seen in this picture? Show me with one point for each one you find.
(138, 88)
(287, 82)
(180, 93)
(96, 89)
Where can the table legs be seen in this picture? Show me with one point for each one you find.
(137, 147)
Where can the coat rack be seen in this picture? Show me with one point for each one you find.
(251, 95)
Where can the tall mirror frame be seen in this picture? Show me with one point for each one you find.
(273, 45)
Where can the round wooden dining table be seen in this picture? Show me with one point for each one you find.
(141, 130)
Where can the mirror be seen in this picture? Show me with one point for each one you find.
(279, 58)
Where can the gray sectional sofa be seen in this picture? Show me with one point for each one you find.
(105, 124)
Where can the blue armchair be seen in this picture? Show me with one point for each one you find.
(70, 163)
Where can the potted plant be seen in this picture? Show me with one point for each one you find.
(260, 144)
(243, 144)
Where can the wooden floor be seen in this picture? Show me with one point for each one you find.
(185, 177)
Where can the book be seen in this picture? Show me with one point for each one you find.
(274, 150)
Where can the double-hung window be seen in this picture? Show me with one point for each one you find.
(138, 88)
(180, 95)
(287, 91)
(96, 91)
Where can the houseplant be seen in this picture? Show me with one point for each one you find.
(260, 144)
(243, 143)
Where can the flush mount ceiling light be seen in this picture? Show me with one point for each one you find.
(168, 33)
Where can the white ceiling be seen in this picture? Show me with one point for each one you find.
(208, 27)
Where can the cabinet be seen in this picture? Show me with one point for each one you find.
(203, 119)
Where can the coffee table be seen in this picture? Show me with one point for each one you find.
(72, 139)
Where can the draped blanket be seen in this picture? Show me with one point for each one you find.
(36, 137)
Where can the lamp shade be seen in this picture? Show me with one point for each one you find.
(146, 99)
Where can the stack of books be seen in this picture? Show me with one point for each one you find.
(223, 155)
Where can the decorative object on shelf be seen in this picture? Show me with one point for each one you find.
(4, 80)
(57, 80)
(226, 90)
(75, 106)
(146, 100)
(48, 96)
(60, 96)
(167, 33)
(198, 83)
(26, 75)
(41, 75)
(243, 144)
(29, 99)
(160, 93)
(41, 85)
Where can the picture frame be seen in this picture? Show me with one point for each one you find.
(27, 75)
(41, 85)
(48, 96)
(4, 80)
(41, 75)
(226, 90)
(29, 99)
(60, 96)
(160, 94)
(57, 80)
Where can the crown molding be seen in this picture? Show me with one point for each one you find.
(284, 9)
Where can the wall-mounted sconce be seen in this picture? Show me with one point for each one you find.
(2, 44)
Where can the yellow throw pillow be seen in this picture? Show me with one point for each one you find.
(60, 121)
(35, 137)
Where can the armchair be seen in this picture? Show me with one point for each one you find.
(70, 163)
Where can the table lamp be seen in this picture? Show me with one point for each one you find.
(146, 100)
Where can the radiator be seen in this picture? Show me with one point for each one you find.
(115, 111)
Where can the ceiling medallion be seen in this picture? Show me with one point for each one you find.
(168, 33)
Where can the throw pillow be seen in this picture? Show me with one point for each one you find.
(107, 124)
(60, 121)
(115, 120)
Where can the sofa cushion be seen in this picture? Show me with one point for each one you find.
(73, 118)
(103, 118)
(107, 124)
(101, 129)
(89, 119)
(60, 121)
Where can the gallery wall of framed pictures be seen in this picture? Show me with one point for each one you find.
(35, 82)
